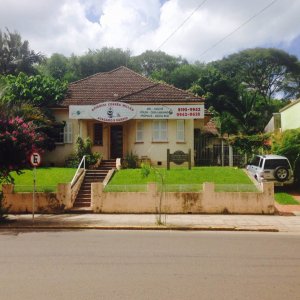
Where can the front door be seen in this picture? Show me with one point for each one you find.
(116, 141)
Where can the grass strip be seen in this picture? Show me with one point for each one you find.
(285, 199)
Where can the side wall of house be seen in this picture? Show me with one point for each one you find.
(290, 117)
(60, 154)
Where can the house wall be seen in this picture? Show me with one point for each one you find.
(290, 117)
(59, 155)
(157, 151)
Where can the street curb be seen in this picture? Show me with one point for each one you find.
(146, 228)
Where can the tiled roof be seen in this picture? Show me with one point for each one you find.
(123, 84)
(210, 127)
(160, 93)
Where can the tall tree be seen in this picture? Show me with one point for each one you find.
(237, 109)
(95, 61)
(15, 54)
(265, 71)
(182, 76)
(151, 61)
(57, 66)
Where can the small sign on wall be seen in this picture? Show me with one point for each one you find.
(178, 158)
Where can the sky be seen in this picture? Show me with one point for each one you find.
(203, 30)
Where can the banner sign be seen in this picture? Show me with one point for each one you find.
(113, 112)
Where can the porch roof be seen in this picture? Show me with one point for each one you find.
(123, 84)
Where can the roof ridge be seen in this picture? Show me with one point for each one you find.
(139, 91)
(181, 90)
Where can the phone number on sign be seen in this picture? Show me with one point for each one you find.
(188, 114)
(189, 109)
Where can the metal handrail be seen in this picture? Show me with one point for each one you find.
(82, 161)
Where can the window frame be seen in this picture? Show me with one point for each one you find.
(68, 133)
(162, 133)
(139, 129)
(180, 131)
(64, 133)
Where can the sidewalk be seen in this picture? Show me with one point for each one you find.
(148, 222)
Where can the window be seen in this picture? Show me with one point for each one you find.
(98, 134)
(180, 131)
(64, 133)
(68, 133)
(58, 134)
(139, 136)
(274, 163)
(160, 131)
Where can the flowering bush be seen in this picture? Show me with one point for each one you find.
(18, 139)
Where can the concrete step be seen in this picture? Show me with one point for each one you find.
(96, 172)
(80, 210)
(83, 197)
(104, 173)
(89, 181)
(82, 204)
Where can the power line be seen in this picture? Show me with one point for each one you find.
(238, 28)
(180, 25)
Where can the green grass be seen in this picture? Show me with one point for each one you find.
(285, 199)
(46, 179)
(176, 178)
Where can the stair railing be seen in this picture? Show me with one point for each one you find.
(77, 171)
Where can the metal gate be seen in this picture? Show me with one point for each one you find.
(212, 150)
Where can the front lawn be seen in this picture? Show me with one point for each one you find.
(46, 179)
(180, 179)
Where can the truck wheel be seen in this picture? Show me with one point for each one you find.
(281, 173)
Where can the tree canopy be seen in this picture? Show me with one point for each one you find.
(15, 54)
(39, 90)
(265, 71)
(153, 61)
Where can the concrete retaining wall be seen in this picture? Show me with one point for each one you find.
(207, 201)
(44, 202)
(22, 202)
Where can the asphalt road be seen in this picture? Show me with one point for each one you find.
(149, 265)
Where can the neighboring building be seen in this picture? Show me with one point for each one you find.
(122, 112)
(287, 118)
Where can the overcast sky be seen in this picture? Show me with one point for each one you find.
(74, 26)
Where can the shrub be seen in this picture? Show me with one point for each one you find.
(131, 161)
(83, 148)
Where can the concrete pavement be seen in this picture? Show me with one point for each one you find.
(149, 222)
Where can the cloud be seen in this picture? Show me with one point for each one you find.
(74, 26)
